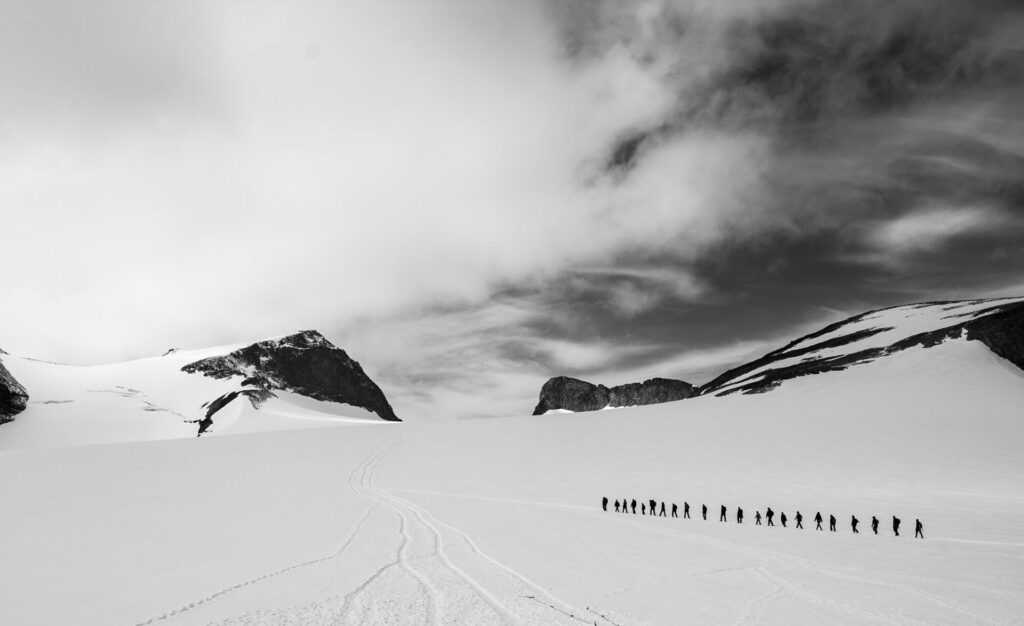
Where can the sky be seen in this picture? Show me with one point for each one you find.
(471, 197)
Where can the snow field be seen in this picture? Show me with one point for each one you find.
(499, 521)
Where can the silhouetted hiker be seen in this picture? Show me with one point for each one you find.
(799, 520)
(651, 506)
(739, 515)
(643, 509)
(853, 523)
(633, 505)
(675, 510)
(757, 518)
(817, 520)
(721, 517)
(896, 525)
(604, 503)
(661, 513)
(770, 514)
(918, 529)
(616, 506)
(686, 510)
(832, 522)
(624, 506)
(874, 524)
(704, 510)
(782, 518)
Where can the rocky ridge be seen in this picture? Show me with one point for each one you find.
(305, 363)
(997, 323)
(572, 394)
(1000, 326)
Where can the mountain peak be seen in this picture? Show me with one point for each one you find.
(301, 339)
(305, 363)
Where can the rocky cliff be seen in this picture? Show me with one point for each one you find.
(305, 363)
(13, 397)
(576, 395)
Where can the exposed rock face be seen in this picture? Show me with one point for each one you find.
(13, 397)
(577, 395)
(1000, 327)
(305, 363)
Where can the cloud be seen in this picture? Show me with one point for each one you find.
(929, 229)
(480, 195)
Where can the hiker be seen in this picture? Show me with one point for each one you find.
(918, 529)
(616, 506)
(686, 510)
(770, 514)
(721, 517)
(643, 509)
(757, 518)
(739, 515)
(652, 505)
(874, 524)
(817, 520)
(782, 518)
(853, 523)
(832, 522)
(675, 510)
(704, 511)
(799, 520)
(604, 503)
(661, 513)
(896, 525)
(633, 504)
(624, 506)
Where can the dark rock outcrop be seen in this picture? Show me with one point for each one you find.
(577, 395)
(305, 363)
(13, 397)
(1000, 328)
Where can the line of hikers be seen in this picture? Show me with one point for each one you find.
(651, 508)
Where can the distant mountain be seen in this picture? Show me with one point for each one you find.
(996, 323)
(305, 363)
(571, 394)
(297, 381)
(999, 324)
(13, 397)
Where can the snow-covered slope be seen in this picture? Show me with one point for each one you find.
(499, 521)
(158, 397)
(998, 324)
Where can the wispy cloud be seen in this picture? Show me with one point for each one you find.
(930, 229)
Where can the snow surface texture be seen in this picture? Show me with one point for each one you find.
(499, 521)
(147, 399)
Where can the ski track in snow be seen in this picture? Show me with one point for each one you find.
(815, 598)
(421, 583)
(789, 561)
(759, 605)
